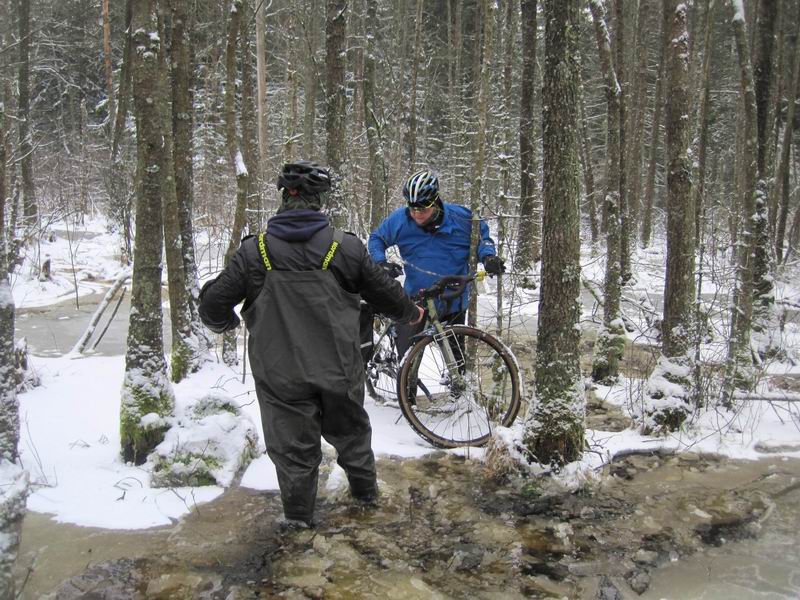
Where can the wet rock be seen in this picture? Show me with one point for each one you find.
(646, 557)
(605, 567)
(772, 448)
(606, 590)
(114, 579)
(623, 471)
(639, 581)
(467, 557)
(552, 570)
(179, 585)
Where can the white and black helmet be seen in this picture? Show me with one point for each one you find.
(421, 189)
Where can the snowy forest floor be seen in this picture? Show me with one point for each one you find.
(637, 514)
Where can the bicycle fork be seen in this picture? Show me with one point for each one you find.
(444, 338)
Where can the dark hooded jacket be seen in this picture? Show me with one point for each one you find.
(298, 240)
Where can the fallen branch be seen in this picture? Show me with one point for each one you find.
(80, 346)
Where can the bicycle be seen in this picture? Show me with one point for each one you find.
(455, 383)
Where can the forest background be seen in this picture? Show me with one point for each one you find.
(622, 125)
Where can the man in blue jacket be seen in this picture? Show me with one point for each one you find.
(433, 238)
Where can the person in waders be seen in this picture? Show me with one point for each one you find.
(302, 282)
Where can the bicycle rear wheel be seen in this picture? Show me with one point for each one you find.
(381, 381)
(459, 405)
(382, 369)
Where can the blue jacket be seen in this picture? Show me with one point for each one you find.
(429, 256)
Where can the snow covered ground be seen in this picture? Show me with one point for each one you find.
(69, 437)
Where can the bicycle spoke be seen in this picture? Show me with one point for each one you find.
(460, 406)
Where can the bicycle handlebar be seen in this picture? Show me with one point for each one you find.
(449, 287)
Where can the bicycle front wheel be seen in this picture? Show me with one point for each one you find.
(456, 398)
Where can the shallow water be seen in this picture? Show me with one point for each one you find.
(688, 525)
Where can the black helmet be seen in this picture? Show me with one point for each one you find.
(421, 189)
(305, 176)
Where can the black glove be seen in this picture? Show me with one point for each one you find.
(392, 269)
(494, 265)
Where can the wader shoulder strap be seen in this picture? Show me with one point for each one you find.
(338, 236)
(262, 247)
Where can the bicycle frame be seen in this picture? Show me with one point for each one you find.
(442, 335)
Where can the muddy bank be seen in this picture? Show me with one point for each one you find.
(445, 530)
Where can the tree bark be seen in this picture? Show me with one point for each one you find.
(145, 387)
(739, 368)
(588, 169)
(335, 102)
(622, 82)
(783, 167)
(378, 185)
(650, 186)
(235, 160)
(184, 351)
(182, 53)
(555, 431)
(109, 69)
(611, 341)
(508, 149)
(529, 230)
(261, 78)
(249, 124)
(411, 127)
(25, 149)
(763, 68)
(482, 110)
(310, 83)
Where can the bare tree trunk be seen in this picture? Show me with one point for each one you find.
(622, 82)
(378, 184)
(482, 110)
(109, 69)
(335, 102)
(763, 68)
(675, 362)
(783, 167)
(182, 151)
(9, 406)
(610, 344)
(184, 350)
(145, 388)
(235, 159)
(118, 184)
(739, 368)
(705, 101)
(290, 132)
(636, 122)
(556, 428)
(411, 128)
(249, 123)
(650, 186)
(588, 168)
(30, 208)
(529, 218)
(510, 35)
(310, 83)
(14, 485)
(261, 78)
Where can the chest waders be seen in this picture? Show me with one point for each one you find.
(306, 363)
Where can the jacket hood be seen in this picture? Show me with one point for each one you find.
(297, 225)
